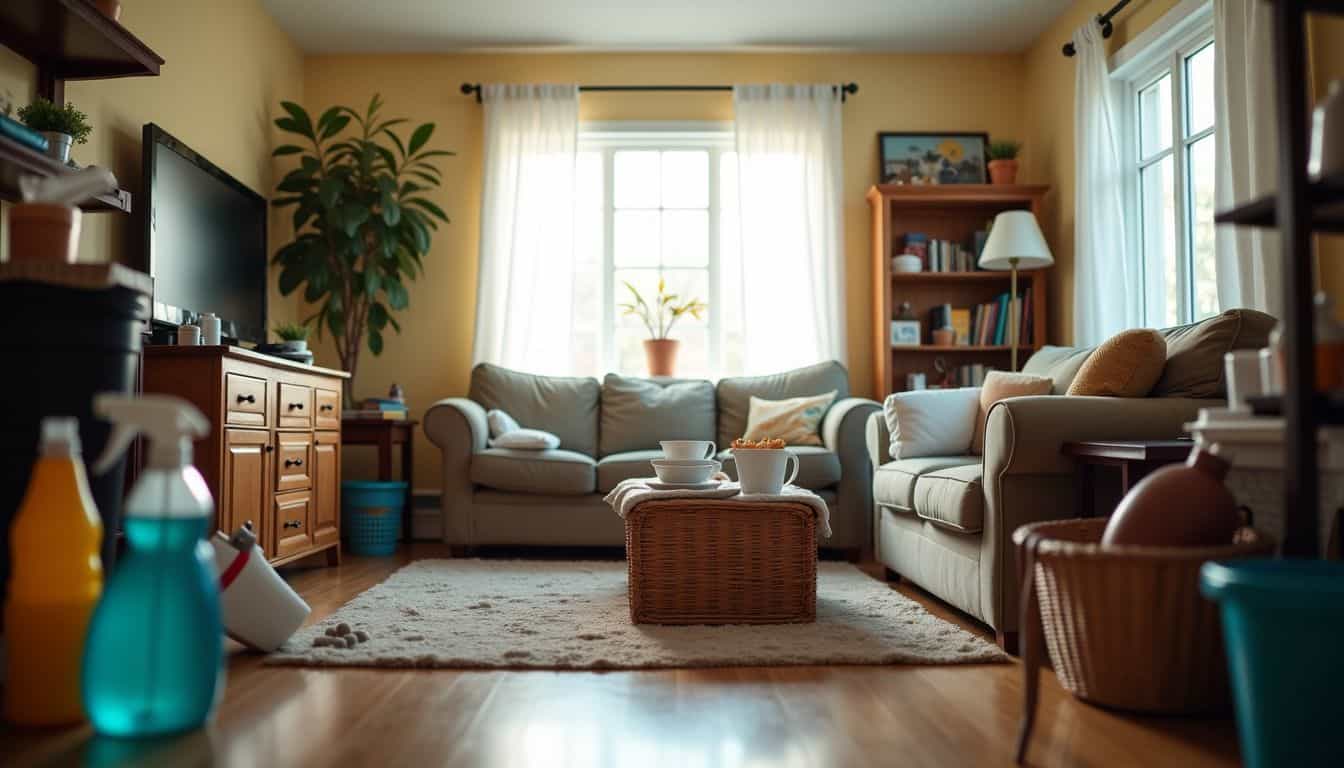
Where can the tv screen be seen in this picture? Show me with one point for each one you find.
(205, 235)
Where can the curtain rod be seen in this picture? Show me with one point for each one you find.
(1104, 19)
(847, 89)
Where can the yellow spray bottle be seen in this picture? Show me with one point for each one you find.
(56, 581)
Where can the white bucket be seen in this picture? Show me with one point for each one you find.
(260, 609)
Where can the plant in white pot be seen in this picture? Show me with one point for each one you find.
(293, 337)
(62, 126)
(658, 317)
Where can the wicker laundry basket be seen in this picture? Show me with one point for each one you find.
(1126, 627)
(721, 561)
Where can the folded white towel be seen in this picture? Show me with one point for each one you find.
(628, 493)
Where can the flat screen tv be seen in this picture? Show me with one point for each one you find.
(205, 240)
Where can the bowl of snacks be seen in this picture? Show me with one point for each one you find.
(763, 464)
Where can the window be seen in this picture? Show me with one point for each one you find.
(1170, 125)
(658, 204)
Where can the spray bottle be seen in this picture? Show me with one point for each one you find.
(153, 660)
(57, 578)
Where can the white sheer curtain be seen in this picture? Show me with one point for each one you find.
(790, 189)
(1106, 288)
(1249, 265)
(524, 298)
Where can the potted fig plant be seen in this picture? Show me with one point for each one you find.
(1003, 161)
(293, 337)
(660, 352)
(62, 126)
(362, 221)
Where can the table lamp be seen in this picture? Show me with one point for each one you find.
(1015, 242)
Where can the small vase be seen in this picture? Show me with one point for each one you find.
(1003, 171)
(661, 355)
(58, 145)
(1182, 505)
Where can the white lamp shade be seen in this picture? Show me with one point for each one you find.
(1015, 235)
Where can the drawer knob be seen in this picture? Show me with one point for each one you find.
(293, 523)
(293, 462)
(328, 407)
(247, 398)
(270, 448)
(296, 406)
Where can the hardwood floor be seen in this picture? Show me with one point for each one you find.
(782, 716)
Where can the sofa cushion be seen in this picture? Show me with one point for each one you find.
(1059, 364)
(931, 422)
(1001, 385)
(1126, 365)
(616, 467)
(1195, 352)
(894, 482)
(557, 472)
(566, 407)
(637, 413)
(818, 467)
(952, 498)
(796, 421)
(734, 394)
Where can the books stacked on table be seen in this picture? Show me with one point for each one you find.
(378, 409)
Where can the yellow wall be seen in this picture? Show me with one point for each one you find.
(1327, 63)
(226, 68)
(432, 356)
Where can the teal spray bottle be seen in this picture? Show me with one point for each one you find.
(153, 662)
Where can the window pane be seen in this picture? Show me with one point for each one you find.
(637, 179)
(635, 238)
(1199, 90)
(1157, 187)
(1154, 117)
(686, 179)
(588, 208)
(732, 358)
(686, 238)
(1204, 267)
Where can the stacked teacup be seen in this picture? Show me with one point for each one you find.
(687, 463)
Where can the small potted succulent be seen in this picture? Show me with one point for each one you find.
(660, 351)
(293, 338)
(63, 126)
(1003, 161)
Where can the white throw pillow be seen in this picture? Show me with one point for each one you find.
(932, 422)
(526, 440)
(500, 423)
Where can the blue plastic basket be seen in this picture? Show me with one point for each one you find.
(371, 515)
(1282, 623)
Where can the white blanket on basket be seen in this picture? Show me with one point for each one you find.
(628, 493)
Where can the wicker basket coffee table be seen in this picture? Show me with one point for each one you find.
(721, 561)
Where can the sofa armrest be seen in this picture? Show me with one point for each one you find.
(842, 433)
(458, 427)
(842, 427)
(878, 439)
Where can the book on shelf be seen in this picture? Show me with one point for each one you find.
(939, 255)
(382, 404)
(985, 325)
(364, 414)
(18, 132)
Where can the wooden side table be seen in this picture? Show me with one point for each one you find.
(1135, 458)
(384, 435)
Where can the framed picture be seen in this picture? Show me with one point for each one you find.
(932, 158)
(905, 333)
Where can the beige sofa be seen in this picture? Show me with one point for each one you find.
(609, 431)
(946, 522)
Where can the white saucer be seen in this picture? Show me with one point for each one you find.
(708, 485)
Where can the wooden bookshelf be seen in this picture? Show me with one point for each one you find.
(948, 212)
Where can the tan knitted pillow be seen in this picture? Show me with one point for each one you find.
(1126, 365)
(796, 421)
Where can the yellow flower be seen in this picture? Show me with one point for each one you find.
(951, 149)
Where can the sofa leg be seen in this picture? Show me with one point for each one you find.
(1007, 641)
(892, 576)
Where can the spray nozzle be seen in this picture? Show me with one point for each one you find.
(170, 422)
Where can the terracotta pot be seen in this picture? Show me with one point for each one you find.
(1003, 171)
(44, 232)
(1182, 505)
(109, 8)
(661, 355)
(944, 337)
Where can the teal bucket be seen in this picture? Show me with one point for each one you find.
(371, 516)
(1282, 624)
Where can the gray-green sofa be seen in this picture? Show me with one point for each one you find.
(608, 432)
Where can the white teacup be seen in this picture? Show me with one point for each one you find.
(689, 449)
(685, 471)
(761, 470)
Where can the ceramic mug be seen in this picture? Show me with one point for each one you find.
(1242, 369)
(689, 449)
(761, 470)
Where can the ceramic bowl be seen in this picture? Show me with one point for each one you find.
(906, 262)
(685, 471)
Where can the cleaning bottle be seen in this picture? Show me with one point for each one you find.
(153, 662)
(57, 577)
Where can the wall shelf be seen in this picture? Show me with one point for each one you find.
(72, 40)
(950, 277)
(961, 348)
(1325, 199)
(17, 160)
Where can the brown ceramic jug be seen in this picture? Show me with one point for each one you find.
(1183, 505)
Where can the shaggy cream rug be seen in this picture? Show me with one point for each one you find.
(575, 615)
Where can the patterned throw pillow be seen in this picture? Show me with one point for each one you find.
(796, 421)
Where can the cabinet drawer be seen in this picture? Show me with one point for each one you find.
(293, 523)
(244, 400)
(328, 414)
(293, 460)
(294, 408)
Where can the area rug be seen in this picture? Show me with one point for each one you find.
(575, 615)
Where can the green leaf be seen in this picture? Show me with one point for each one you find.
(397, 141)
(391, 213)
(353, 215)
(397, 298)
(435, 153)
(394, 323)
(330, 191)
(290, 278)
(386, 124)
(334, 127)
(317, 286)
(310, 165)
(306, 210)
(327, 116)
(300, 116)
(371, 281)
(280, 202)
(378, 316)
(388, 158)
(290, 124)
(419, 137)
(335, 319)
(286, 149)
(375, 342)
(374, 104)
(428, 206)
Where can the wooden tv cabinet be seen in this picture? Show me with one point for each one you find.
(273, 455)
